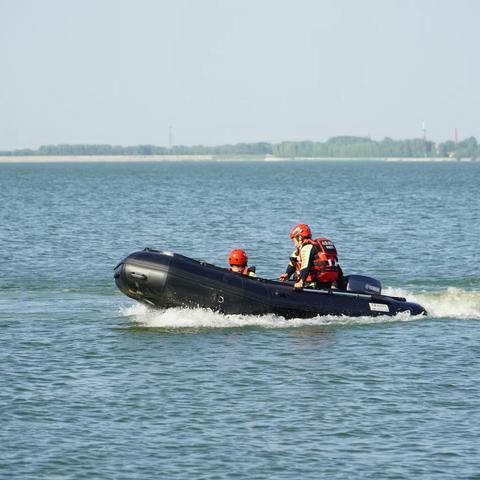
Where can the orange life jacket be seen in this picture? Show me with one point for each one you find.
(324, 267)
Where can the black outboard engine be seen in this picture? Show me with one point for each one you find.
(362, 284)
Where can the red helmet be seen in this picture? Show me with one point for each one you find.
(302, 230)
(238, 257)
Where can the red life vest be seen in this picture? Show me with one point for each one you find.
(324, 267)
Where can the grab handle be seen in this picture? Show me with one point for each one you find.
(140, 276)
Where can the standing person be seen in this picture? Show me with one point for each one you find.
(238, 262)
(314, 262)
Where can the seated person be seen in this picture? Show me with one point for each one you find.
(314, 262)
(238, 261)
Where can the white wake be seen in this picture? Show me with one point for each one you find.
(451, 303)
(202, 318)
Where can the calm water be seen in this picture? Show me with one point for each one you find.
(94, 385)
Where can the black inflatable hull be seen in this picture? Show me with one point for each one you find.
(166, 280)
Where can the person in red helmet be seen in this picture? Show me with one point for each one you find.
(238, 262)
(314, 262)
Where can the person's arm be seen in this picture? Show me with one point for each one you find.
(307, 258)
(290, 267)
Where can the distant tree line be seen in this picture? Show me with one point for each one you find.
(343, 146)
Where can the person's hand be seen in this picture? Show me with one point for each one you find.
(298, 284)
(283, 277)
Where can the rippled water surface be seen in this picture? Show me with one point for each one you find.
(94, 385)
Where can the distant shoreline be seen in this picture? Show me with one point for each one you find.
(203, 158)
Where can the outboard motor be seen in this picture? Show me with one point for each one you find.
(362, 284)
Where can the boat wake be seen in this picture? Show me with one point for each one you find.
(201, 318)
(449, 303)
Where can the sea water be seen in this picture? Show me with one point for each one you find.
(94, 385)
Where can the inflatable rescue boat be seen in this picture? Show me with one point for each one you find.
(165, 280)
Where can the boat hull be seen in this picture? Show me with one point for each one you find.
(167, 280)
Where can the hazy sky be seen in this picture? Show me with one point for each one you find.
(122, 71)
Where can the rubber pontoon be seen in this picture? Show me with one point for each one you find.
(165, 280)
